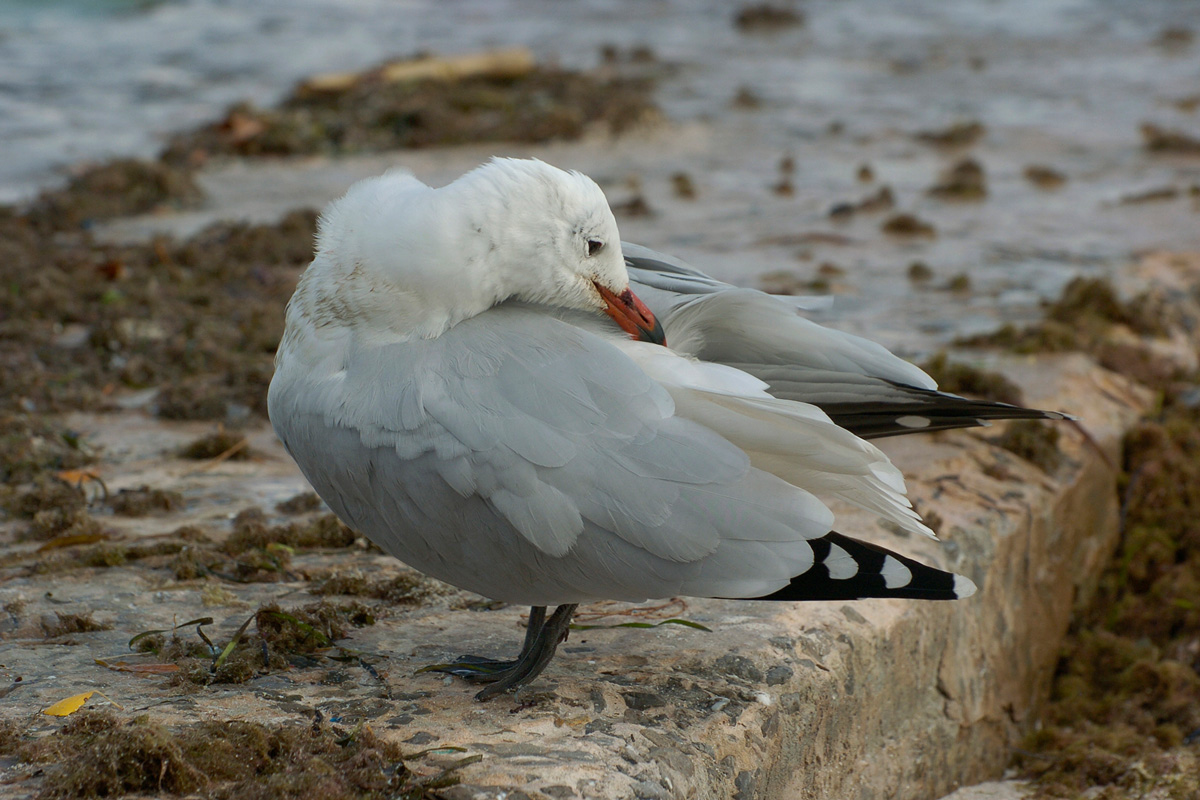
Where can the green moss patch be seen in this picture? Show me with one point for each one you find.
(144, 501)
(542, 105)
(409, 588)
(31, 447)
(958, 378)
(965, 181)
(299, 504)
(1033, 440)
(1126, 694)
(960, 134)
(117, 188)
(64, 624)
(1081, 319)
(270, 640)
(251, 530)
(98, 755)
(216, 444)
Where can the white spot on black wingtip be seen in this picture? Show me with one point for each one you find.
(963, 587)
(895, 575)
(913, 421)
(983, 423)
(841, 565)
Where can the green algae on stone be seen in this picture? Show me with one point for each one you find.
(54, 523)
(96, 755)
(959, 378)
(959, 284)
(406, 588)
(1081, 319)
(1033, 440)
(45, 495)
(144, 500)
(217, 443)
(1044, 177)
(251, 530)
(269, 640)
(1126, 693)
(31, 446)
(919, 272)
(960, 134)
(546, 104)
(766, 18)
(65, 623)
(1156, 139)
(203, 315)
(299, 504)
(118, 188)
(908, 225)
(1093, 302)
(1044, 337)
(963, 182)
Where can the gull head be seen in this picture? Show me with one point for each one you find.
(556, 241)
(420, 260)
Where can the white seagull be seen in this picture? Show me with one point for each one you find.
(467, 377)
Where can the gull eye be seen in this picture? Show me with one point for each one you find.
(594, 246)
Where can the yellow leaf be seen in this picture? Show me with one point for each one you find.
(64, 708)
(71, 540)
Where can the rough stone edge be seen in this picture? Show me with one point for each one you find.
(913, 700)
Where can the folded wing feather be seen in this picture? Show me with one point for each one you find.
(560, 446)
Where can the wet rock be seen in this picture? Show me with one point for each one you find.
(919, 272)
(1044, 177)
(647, 790)
(117, 188)
(739, 666)
(641, 701)
(908, 225)
(962, 182)
(765, 18)
(746, 784)
(145, 500)
(1156, 139)
(960, 134)
(779, 674)
(746, 99)
(465, 791)
(362, 115)
(1150, 196)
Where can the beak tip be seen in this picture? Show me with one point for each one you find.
(632, 315)
(656, 334)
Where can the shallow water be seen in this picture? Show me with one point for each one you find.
(1063, 83)
(86, 79)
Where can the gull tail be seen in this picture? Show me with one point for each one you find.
(847, 569)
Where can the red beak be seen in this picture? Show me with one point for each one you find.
(633, 316)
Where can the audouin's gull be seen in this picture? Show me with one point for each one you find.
(467, 377)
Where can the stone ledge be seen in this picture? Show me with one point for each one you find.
(839, 699)
(824, 699)
(808, 700)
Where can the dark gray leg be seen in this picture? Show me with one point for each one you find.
(541, 640)
(531, 662)
(481, 669)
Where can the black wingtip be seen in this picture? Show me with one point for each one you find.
(847, 569)
(925, 411)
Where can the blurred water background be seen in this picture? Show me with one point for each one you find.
(91, 79)
(1062, 83)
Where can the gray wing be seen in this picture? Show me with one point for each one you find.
(861, 385)
(526, 459)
